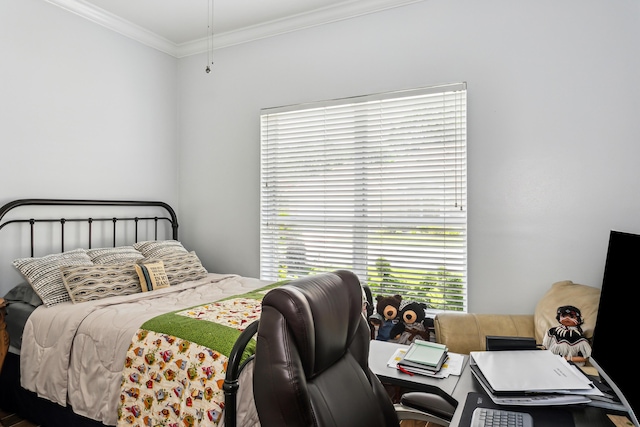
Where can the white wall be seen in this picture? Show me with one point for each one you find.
(84, 113)
(553, 102)
(553, 123)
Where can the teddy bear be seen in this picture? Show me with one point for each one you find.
(413, 323)
(385, 316)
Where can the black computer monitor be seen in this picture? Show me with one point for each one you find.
(616, 336)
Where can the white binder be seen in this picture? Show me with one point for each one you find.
(531, 377)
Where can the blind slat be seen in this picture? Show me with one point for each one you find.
(373, 184)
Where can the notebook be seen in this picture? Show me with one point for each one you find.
(424, 355)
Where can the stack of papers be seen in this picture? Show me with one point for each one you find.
(531, 377)
(452, 365)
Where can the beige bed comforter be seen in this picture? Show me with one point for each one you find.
(73, 354)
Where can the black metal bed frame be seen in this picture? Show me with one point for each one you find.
(12, 395)
(171, 218)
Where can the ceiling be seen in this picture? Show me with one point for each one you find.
(179, 27)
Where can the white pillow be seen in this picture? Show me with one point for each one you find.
(156, 248)
(115, 255)
(44, 276)
(182, 267)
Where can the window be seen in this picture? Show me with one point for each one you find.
(373, 184)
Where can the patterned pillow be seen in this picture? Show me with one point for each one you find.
(158, 248)
(43, 274)
(120, 254)
(182, 267)
(152, 275)
(92, 282)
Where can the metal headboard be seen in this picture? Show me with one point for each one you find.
(171, 216)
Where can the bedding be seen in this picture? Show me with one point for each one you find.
(176, 363)
(21, 301)
(73, 319)
(74, 354)
(17, 315)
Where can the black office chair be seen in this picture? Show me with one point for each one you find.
(311, 361)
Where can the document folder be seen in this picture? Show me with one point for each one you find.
(529, 371)
(530, 377)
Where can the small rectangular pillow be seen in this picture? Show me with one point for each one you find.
(182, 267)
(152, 275)
(98, 281)
(117, 255)
(158, 248)
(43, 274)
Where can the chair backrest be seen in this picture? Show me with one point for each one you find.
(311, 361)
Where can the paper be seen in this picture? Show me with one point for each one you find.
(397, 356)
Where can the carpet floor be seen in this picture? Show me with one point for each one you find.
(13, 420)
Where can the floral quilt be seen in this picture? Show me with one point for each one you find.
(176, 363)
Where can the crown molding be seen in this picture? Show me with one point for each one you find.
(314, 18)
(117, 24)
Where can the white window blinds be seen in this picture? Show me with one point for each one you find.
(374, 184)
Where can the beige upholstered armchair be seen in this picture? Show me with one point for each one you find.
(466, 332)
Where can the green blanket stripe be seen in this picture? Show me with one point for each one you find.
(209, 334)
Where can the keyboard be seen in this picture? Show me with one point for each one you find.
(486, 417)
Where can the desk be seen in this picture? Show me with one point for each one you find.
(583, 416)
(379, 354)
(456, 388)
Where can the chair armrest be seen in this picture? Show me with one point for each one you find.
(406, 413)
(420, 406)
(466, 332)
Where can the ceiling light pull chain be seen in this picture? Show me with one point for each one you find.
(209, 37)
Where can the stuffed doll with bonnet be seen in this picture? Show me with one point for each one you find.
(567, 339)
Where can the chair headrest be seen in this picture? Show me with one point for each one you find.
(322, 313)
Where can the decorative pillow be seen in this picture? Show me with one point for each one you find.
(92, 282)
(152, 276)
(158, 248)
(585, 298)
(120, 254)
(43, 274)
(23, 293)
(182, 267)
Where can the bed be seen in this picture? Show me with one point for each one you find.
(112, 321)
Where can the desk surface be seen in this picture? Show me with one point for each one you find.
(458, 387)
(583, 415)
(379, 354)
